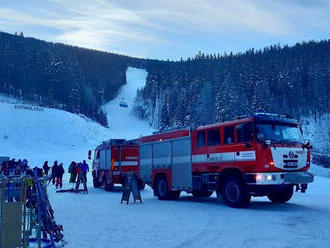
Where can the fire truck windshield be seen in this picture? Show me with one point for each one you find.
(279, 133)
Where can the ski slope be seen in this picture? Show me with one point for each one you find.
(122, 122)
(46, 134)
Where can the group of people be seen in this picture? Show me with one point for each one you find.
(14, 167)
(78, 174)
(78, 171)
(57, 172)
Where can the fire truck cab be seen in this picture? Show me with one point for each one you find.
(113, 160)
(258, 155)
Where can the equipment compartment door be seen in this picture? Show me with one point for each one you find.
(181, 164)
(105, 157)
(145, 162)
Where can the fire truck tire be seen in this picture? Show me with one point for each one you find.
(108, 187)
(199, 194)
(161, 189)
(234, 192)
(281, 196)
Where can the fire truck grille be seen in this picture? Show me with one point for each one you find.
(292, 163)
(286, 156)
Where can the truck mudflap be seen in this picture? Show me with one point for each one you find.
(298, 177)
(278, 178)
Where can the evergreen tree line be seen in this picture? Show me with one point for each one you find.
(61, 76)
(213, 88)
(200, 90)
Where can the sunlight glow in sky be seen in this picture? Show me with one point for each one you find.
(168, 29)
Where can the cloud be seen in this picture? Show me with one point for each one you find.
(210, 16)
(125, 25)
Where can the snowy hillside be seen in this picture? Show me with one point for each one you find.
(40, 134)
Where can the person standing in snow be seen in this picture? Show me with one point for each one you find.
(54, 172)
(81, 178)
(59, 176)
(25, 165)
(85, 169)
(17, 170)
(4, 167)
(11, 166)
(72, 171)
(46, 168)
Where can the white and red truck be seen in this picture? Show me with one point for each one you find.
(258, 155)
(112, 161)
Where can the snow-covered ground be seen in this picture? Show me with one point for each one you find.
(99, 220)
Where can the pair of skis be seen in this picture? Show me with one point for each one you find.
(47, 215)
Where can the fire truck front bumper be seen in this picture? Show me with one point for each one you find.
(279, 178)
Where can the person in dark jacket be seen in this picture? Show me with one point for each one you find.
(72, 171)
(85, 169)
(3, 167)
(54, 172)
(81, 178)
(59, 176)
(25, 165)
(46, 168)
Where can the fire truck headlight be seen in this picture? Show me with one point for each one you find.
(269, 177)
(258, 177)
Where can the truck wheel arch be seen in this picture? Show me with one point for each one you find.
(228, 173)
(231, 186)
(156, 177)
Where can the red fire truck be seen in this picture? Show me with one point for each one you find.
(113, 160)
(258, 155)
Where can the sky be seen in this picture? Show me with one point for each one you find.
(168, 29)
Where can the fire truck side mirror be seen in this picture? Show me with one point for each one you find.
(89, 154)
(267, 143)
(307, 144)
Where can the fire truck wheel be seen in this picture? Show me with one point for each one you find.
(108, 187)
(199, 194)
(282, 195)
(161, 189)
(234, 192)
